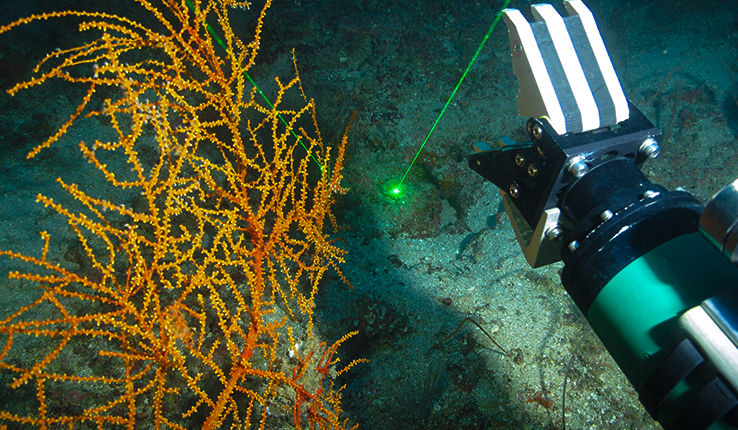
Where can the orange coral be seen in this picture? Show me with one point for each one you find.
(191, 293)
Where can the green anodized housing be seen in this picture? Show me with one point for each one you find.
(635, 313)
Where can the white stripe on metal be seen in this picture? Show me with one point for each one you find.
(538, 68)
(570, 62)
(576, 7)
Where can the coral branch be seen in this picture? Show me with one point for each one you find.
(181, 307)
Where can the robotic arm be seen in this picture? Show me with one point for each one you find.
(651, 269)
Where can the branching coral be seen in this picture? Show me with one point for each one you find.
(190, 293)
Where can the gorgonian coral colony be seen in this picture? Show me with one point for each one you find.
(194, 292)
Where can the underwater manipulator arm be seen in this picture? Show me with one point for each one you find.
(645, 265)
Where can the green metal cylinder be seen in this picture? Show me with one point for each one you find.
(636, 311)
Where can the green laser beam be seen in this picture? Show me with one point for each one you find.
(396, 190)
(246, 73)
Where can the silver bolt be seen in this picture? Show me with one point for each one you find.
(606, 215)
(573, 245)
(577, 166)
(553, 232)
(650, 148)
(649, 194)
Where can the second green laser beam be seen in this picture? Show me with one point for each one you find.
(396, 190)
(246, 73)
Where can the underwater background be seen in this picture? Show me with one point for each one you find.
(443, 251)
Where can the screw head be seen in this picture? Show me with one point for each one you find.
(649, 194)
(554, 233)
(577, 166)
(650, 148)
(606, 215)
(536, 131)
(513, 190)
